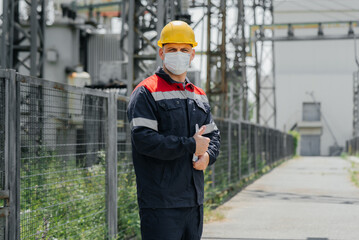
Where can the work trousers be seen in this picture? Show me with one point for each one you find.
(172, 223)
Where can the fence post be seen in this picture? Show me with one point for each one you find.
(255, 147)
(285, 146)
(279, 146)
(111, 166)
(268, 157)
(229, 133)
(4, 191)
(239, 150)
(12, 155)
(284, 142)
(249, 154)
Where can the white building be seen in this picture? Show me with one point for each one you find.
(324, 68)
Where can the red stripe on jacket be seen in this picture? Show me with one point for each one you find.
(155, 83)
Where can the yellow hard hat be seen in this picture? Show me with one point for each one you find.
(177, 32)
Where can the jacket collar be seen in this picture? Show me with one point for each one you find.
(162, 74)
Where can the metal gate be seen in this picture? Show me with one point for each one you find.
(310, 145)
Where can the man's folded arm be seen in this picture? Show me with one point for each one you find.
(212, 133)
(144, 130)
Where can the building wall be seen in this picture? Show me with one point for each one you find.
(65, 41)
(324, 67)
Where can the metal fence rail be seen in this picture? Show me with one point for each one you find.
(65, 155)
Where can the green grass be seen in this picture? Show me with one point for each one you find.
(354, 173)
(353, 170)
(344, 155)
(62, 200)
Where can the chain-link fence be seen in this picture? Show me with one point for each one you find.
(64, 148)
(62, 176)
(60, 150)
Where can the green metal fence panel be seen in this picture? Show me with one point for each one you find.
(63, 161)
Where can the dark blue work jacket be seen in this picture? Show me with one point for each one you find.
(163, 114)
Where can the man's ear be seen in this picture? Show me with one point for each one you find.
(192, 54)
(161, 54)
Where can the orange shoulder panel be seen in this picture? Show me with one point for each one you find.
(198, 90)
(155, 83)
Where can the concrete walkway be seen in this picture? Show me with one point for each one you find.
(304, 198)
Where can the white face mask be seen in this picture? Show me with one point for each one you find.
(177, 62)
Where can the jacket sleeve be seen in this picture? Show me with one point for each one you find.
(213, 133)
(141, 113)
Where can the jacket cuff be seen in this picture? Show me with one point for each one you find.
(212, 159)
(190, 145)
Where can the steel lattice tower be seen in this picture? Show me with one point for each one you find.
(23, 48)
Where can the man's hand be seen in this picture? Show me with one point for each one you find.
(202, 162)
(201, 142)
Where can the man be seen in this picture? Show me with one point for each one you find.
(169, 155)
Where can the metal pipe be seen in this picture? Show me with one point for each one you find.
(257, 69)
(160, 24)
(208, 82)
(355, 50)
(305, 38)
(184, 6)
(5, 25)
(131, 46)
(223, 60)
(273, 73)
(33, 45)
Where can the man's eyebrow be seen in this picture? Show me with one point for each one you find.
(171, 48)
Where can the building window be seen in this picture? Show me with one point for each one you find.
(311, 111)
